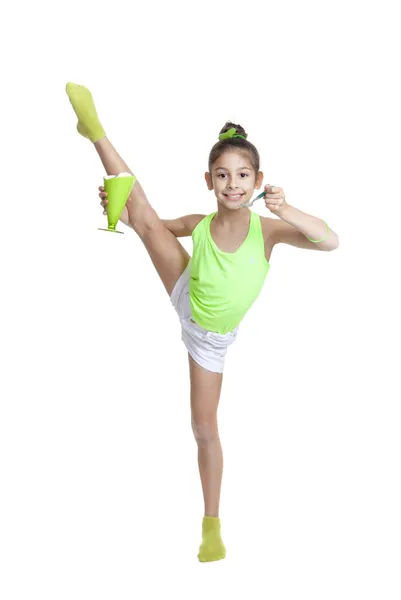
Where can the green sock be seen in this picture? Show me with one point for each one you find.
(212, 547)
(82, 102)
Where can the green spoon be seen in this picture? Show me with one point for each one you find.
(248, 204)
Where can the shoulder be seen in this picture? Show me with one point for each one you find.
(269, 230)
(191, 222)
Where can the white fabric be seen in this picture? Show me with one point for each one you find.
(207, 348)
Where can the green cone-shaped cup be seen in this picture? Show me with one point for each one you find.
(117, 189)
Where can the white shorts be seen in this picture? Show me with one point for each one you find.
(207, 348)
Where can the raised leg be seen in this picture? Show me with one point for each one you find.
(167, 254)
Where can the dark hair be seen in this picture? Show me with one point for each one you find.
(235, 143)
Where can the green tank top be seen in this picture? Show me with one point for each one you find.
(224, 285)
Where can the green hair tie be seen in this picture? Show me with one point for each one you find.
(231, 133)
(323, 239)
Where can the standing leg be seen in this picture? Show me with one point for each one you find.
(167, 254)
(205, 396)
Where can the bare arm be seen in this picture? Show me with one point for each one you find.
(294, 226)
(181, 227)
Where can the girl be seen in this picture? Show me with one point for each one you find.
(213, 290)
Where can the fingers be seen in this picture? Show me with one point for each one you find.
(103, 197)
(272, 189)
(274, 198)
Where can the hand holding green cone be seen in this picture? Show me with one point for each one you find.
(118, 188)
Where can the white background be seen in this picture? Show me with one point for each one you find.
(100, 490)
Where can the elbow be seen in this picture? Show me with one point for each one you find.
(336, 243)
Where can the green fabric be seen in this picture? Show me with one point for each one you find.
(82, 102)
(212, 547)
(224, 285)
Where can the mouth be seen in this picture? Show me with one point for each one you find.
(233, 197)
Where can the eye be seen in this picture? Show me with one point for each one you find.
(223, 174)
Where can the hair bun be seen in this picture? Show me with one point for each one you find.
(239, 131)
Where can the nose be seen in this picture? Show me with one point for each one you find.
(232, 185)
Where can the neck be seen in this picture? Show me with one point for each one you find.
(227, 217)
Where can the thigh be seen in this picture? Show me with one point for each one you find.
(205, 393)
(167, 254)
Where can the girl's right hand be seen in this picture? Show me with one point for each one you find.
(103, 198)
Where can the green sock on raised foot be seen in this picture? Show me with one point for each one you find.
(212, 547)
(82, 102)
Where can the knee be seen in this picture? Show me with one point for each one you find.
(205, 431)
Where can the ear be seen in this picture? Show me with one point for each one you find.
(259, 180)
(209, 181)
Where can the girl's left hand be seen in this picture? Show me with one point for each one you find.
(275, 199)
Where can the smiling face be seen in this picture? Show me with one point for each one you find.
(233, 179)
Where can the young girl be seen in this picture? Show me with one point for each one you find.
(213, 290)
